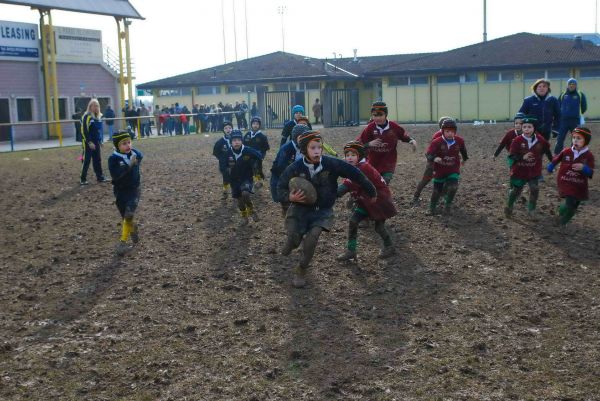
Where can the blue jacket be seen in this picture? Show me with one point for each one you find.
(286, 133)
(259, 142)
(285, 156)
(325, 181)
(242, 168)
(109, 113)
(572, 104)
(91, 129)
(220, 151)
(124, 177)
(546, 110)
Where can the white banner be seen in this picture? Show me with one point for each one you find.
(19, 41)
(78, 45)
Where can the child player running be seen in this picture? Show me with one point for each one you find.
(576, 168)
(220, 151)
(445, 152)
(124, 167)
(380, 137)
(304, 223)
(526, 153)
(379, 211)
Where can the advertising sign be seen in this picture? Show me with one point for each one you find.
(19, 41)
(78, 45)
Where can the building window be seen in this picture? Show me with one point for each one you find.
(398, 81)
(312, 85)
(496, 76)
(169, 92)
(62, 108)
(590, 73)
(234, 89)
(468, 77)
(492, 76)
(281, 87)
(208, 90)
(507, 76)
(448, 79)
(558, 74)
(533, 75)
(249, 88)
(25, 109)
(422, 80)
(186, 91)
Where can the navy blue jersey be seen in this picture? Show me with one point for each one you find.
(124, 176)
(324, 179)
(241, 165)
(257, 140)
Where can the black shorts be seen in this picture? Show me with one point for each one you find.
(300, 219)
(238, 188)
(127, 201)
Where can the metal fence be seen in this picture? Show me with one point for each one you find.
(341, 107)
(277, 106)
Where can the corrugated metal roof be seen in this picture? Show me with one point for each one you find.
(114, 8)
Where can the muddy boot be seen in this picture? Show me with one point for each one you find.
(448, 210)
(364, 223)
(258, 182)
(347, 255)
(122, 248)
(432, 211)
(134, 235)
(291, 243)
(299, 280)
(224, 194)
(244, 221)
(508, 212)
(415, 202)
(533, 215)
(386, 252)
(254, 216)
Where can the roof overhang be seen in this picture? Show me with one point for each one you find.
(113, 8)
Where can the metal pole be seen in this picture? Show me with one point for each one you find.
(54, 78)
(223, 24)
(246, 23)
(485, 20)
(121, 77)
(234, 31)
(44, 38)
(128, 61)
(12, 139)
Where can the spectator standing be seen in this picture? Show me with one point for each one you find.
(545, 107)
(109, 113)
(572, 106)
(317, 110)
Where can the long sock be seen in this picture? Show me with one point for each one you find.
(381, 229)
(435, 197)
(421, 185)
(309, 246)
(452, 187)
(127, 228)
(566, 213)
(352, 243)
(513, 195)
(226, 187)
(352, 234)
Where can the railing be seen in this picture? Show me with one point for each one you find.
(111, 60)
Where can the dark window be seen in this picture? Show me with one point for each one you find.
(507, 76)
(25, 109)
(469, 77)
(62, 108)
(249, 88)
(234, 89)
(398, 81)
(534, 75)
(281, 87)
(558, 74)
(312, 85)
(448, 79)
(422, 80)
(492, 76)
(186, 91)
(589, 73)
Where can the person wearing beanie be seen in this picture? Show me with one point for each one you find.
(428, 173)
(220, 151)
(287, 154)
(526, 153)
(510, 135)
(379, 211)
(544, 107)
(124, 167)
(258, 141)
(573, 104)
(576, 168)
(240, 170)
(305, 222)
(380, 137)
(297, 116)
(444, 153)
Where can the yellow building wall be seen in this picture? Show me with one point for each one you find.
(591, 88)
(469, 106)
(447, 100)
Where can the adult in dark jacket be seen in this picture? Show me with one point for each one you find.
(91, 129)
(109, 113)
(545, 107)
(572, 106)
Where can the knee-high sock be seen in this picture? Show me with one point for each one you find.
(436, 194)
(451, 188)
(352, 234)
(513, 195)
(534, 193)
(381, 229)
(127, 228)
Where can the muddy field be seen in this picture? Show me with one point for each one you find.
(474, 307)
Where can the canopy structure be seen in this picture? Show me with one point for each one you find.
(113, 8)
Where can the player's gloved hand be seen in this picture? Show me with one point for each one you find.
(437, 160)
(550, 168)
(413, 143)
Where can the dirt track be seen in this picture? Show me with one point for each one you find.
(475, 307)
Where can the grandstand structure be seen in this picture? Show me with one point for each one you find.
(40, 63)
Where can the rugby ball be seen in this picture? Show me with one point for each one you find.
(310, 193)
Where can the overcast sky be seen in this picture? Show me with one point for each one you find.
(180, 36)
